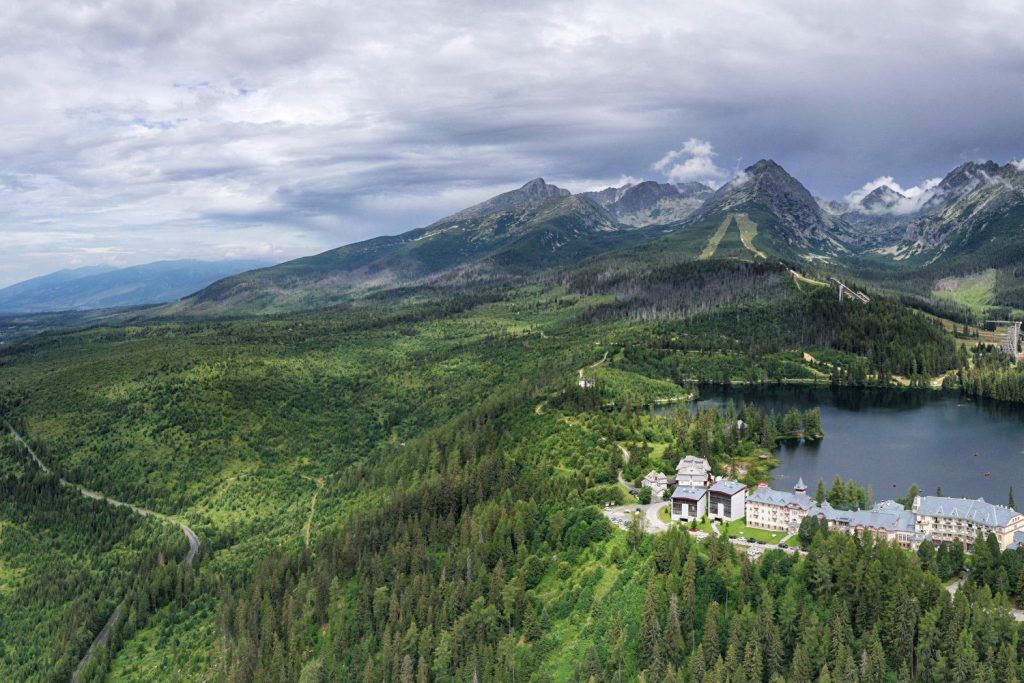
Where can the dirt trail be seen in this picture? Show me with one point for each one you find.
(312, 506)
(593, 365)
(193, 545)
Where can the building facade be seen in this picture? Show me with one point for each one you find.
(689, 503)
(960, 519)
(657, 482)
(778, 510)
(726, 500)
(939, 519)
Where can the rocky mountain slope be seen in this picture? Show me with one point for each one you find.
(535, 227)
(972, 219)
(650, 203)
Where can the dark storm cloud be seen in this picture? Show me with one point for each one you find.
(137, 130)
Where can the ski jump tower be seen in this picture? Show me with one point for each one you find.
(1012, 343)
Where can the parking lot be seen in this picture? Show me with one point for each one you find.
(622, 516)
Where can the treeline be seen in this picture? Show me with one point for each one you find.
(760, 341)
(674, 292)
(992, 375)
(892, 339)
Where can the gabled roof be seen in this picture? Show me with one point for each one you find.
(728, 487)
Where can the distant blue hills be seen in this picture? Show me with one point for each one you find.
(95, 287)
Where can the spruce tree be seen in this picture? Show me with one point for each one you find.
(673, 643)
(712, 645)
(650, 629)
(698, 667)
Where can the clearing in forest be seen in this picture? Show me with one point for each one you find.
(974, 291)
(748, 231)
(712, 247)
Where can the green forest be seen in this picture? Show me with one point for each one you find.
(407, 488)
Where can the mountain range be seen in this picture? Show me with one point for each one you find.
(96, 287)
(968, 222)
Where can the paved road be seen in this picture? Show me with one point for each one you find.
(652, 523)
(193, 546)
(1018, 614)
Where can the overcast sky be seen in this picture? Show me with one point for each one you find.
(136, 131)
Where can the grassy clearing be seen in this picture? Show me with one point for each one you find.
(973, 291)
(712, 247)
(739, 529)
(748, 231)
(624, 387)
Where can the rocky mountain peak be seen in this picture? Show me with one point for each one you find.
(541, 190)
(880, 198)
(533, 192)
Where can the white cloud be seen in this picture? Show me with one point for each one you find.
(913, 197)
(193, 127)
(694, 161)
(1018, 164)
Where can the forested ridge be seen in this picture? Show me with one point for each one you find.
(456, 458)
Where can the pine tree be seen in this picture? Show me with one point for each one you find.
(673, 643)
(964, 659)
(408, 670)
(837, 494)
(688, 604)
(711, 642)
(753, 662)
(698, 666)
(650, 629)
(819, 492)
(873, 670)
(812, 424)
(1010, 502)
(802, 668)
(1006, 664)
(792, 423)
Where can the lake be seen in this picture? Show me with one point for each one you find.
(886, 437)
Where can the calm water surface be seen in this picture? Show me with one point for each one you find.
(892, 439)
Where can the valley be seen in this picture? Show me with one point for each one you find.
(393, 456)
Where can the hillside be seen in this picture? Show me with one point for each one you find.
(967, 224)
(106, 287)
(534, 228)
(432, 467)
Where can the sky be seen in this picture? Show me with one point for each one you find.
(139, 130)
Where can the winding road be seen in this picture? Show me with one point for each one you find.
(193, 544)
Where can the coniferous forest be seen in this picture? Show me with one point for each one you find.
(410, 489)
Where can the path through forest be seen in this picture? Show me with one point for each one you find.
(193, 545)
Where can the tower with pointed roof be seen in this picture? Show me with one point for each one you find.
(800, 486)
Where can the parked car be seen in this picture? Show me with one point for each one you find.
(783, 546)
